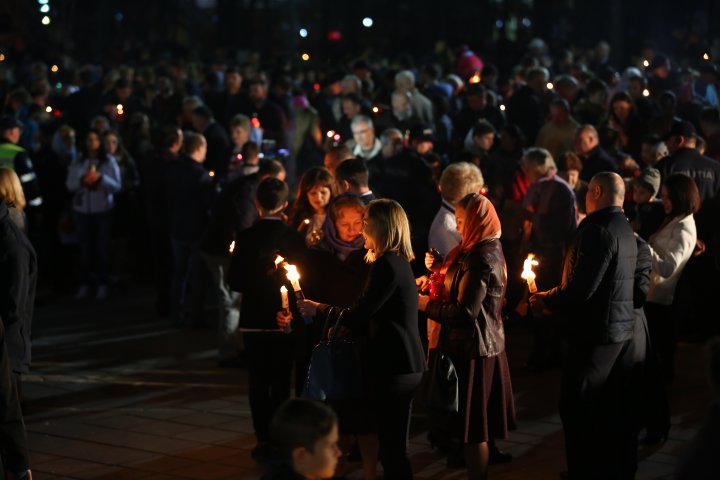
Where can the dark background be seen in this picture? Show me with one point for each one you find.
(137, 30)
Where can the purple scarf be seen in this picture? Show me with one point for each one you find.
(332, 243)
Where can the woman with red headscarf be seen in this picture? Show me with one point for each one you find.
(471, 325)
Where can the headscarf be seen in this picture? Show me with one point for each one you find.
(481, 223)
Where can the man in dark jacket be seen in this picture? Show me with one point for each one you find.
(18, 278)
(595, 301)
(189, 191)
(218, 142)
(15, 157)
(594, 158)
(234, 212)
(409, 180)
(684, 158)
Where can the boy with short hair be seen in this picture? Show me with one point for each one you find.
(252, 273)
(304, 434)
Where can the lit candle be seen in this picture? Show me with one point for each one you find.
(475, 78)
(278, 261)
(285, 306)
(303, 225)
(706, 56)
(646, 93)
(294, 277)
(646, 63)
(528, 274)
(284, 297)
(232, 247)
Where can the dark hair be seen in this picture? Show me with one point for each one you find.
(515, 133)
(250, 150)
(122, 152)
(167, 137)
(569, 161)
(683, 194)
(101, 153)
(354, 172)
(203, 111)
(270, 168)
(352, 97)
(192, 142)
(272, 194)
(122, 83)
(313, 177)
(300, 423)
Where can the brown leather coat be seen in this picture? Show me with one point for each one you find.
(471, 316)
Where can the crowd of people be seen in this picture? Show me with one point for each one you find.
(408, 195)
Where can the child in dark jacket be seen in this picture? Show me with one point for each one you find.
(253, 274)
(304, 434)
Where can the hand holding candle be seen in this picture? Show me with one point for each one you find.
(294, 277)
(285, 308)
(528, 274)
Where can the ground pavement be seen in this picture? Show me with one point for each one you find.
(115, 393)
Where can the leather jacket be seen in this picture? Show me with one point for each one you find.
(471, 315)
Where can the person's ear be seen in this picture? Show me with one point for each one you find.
(284, 206)
(299, 456)
(345, 185)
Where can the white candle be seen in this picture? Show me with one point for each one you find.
(284, 296)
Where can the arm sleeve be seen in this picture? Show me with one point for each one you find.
(641, 286)
(75, 174)
(13, 440)
(111, 176)
(595, 251)
(666, 262)
(467, 307)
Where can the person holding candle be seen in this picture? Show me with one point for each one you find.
(336, 274)
(386, 314)
(594, 302)
(317, 188)
(471, 324)
(253, 274)
(94, 179)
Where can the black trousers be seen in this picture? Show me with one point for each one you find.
(596, 412)
(392, 401)
(661, 366)
(269, 360)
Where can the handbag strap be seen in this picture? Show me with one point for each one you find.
(337, 323)
(331, 311)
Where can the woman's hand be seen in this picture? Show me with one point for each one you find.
(282, 318)
(423, 302)
(308, 308)
(422, 283)
(431, 263)
(537, 303)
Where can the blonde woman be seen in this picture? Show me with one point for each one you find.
(11, 191)
(386, 313)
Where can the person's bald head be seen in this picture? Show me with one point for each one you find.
(606, 189)
(586, 140)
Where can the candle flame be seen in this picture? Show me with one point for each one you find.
(292, 273)
(475, 78)
(706, 56)
(528, 264)
(232, 246)
(646, 63)
(331, 133)
(278, 260)
(283, 289)
(646, 93)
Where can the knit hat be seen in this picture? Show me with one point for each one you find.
(649, 179)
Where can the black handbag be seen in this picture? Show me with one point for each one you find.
(335, 370)
(439, 386)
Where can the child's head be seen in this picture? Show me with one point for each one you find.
(272, 196)
(317, 187)
(646, 185)
(251, 153)
(305, 435)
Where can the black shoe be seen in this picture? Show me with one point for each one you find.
(497, 456)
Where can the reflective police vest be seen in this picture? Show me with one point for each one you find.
(10, 157)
